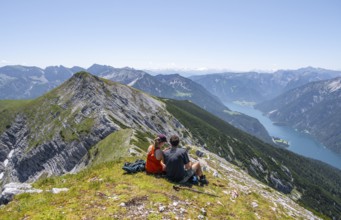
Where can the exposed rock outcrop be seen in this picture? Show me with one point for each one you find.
(75, 116)
(14, 188)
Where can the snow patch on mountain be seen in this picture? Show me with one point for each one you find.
(109, 76)
(273, 111)
(133, 82)
(28, 91)
(4, 79)
(41, 79)
(335, 85)
(179, 83)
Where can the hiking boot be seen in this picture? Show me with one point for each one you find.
(203, 180)
(194, 180)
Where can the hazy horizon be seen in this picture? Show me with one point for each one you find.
(238, 36)
(174, 70)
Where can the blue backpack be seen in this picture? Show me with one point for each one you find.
(137, 166)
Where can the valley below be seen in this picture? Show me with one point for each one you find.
(300, 143)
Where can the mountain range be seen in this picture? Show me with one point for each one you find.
(177, 87)
(257, 87)
(59, 133)
(19, 82)
(314, 108)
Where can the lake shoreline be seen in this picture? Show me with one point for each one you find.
(300, 142)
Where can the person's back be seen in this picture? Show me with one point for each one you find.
(175, 160)
(178, 166)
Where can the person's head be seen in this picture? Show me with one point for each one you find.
(174, 140)
(160, 140)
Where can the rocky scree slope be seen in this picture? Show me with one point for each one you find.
(313, 108)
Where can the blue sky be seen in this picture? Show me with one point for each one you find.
(231, 34)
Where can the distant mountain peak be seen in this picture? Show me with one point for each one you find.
(98, 65)
(82, 74)
(311, 69)
(128, 68)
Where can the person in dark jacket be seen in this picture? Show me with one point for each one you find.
(178, 166)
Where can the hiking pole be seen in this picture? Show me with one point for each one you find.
(178, 187)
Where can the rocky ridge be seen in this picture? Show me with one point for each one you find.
(177, 87)
(55, 132)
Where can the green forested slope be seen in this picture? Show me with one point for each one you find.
(319, 183)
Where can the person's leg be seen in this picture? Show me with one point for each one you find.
(198, 171)
(197, 168)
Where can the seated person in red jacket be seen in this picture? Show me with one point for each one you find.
(154, 164)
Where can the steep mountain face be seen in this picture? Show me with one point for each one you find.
(314, 108)
(21, 82)
(258, 87)
(235, 86)
(131, 77)
(52, 135)
(65, 130)
(178, 87)
(186, 89)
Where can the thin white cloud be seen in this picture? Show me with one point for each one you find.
(4, 62)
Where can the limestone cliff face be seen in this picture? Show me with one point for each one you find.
(54, 133)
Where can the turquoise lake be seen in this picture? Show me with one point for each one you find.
(300, 143)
